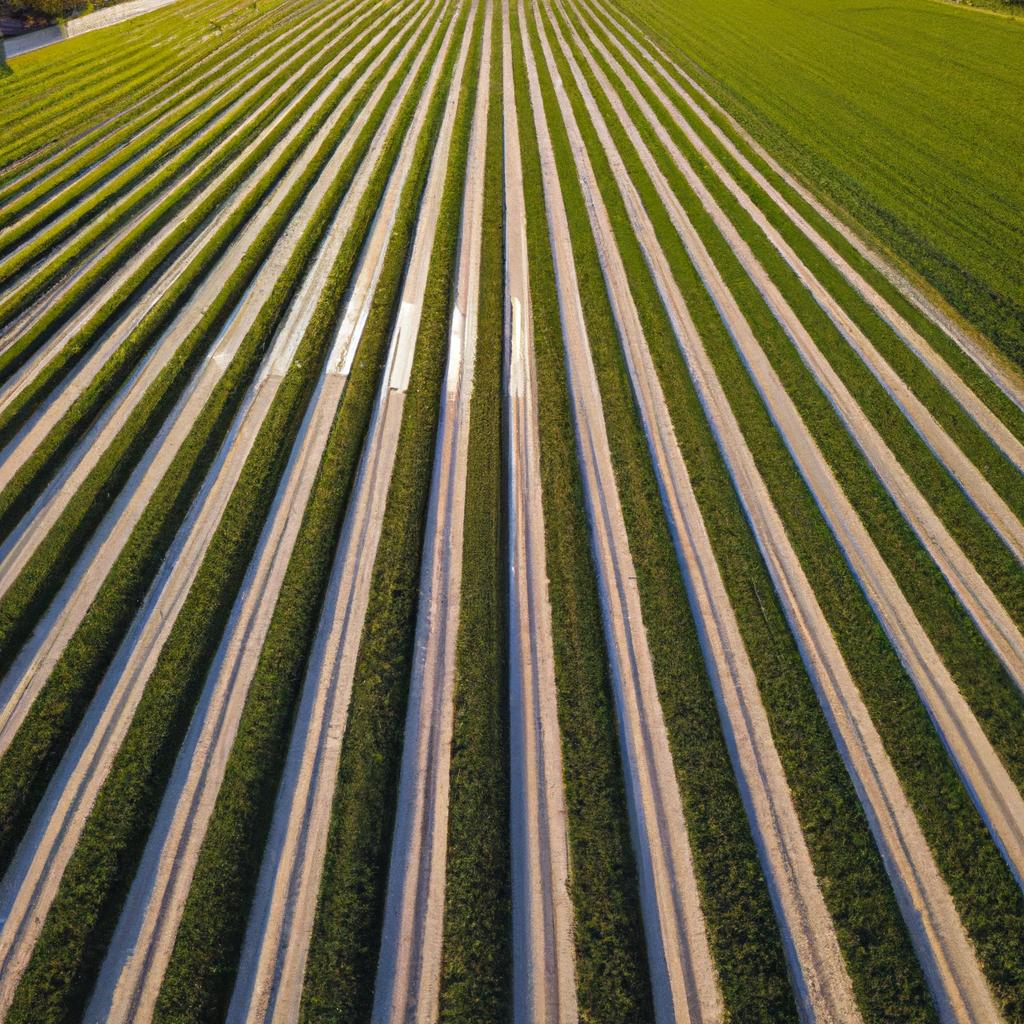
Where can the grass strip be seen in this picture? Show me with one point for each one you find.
(611, 966)
(477, 954)
(27, 484)
(96, 881)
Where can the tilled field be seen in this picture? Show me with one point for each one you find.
(480, 540)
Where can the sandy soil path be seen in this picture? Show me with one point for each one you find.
(1002, 372)
(272, 968)
(23, 540)
(408, 979)
(987, 612)
(997, 798)
(31, 882)
(958, 986)
(34, 663)
(683, 976)
(73, 270)
(543, 947)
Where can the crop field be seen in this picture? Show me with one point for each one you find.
(502, 520)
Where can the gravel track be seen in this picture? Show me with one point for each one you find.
(407, 987)
(683, 976)
(543, 948)
(958, 986)
(977, 598)
(272, 968)
(993, 791)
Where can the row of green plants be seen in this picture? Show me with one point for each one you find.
(34, 752)
(745, 938)
(943, 493)
(26, 485)
(940, 800)
(76, 176)
(345, 943)
(477, 951)
(611, 968)
(884, 972)
(192, 148)
(936, 190)
(101, 138)
(53, 373)
(60, 108)
(202, 969)
(82, 918)
(951, 630)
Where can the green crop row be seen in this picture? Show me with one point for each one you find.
(477, 948)
(887, 128)
(49, 164)
(128, 61)
(345, 942)
(941, 490)
(201, 973)
(745, 939)
(939, 798)
(32, 756)
(95, 147)
(25, 486)
(192, 148)
(611, 968)
(96, 880)
(201, 99)
(977, 671)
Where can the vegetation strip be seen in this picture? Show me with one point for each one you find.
(409, 973)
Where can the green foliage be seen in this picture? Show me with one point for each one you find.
(881, 110)
(476, 969)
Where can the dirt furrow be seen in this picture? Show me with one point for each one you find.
(204, 88)
(543, 950)
(683, 976)
(974, 485)
(949, 961)
(141, 947)
(408, 978)
(272, 968)
(997, 798)
(35, 662)
(977, 598)
(1006, 376)
(23, 540)
(151, 109)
